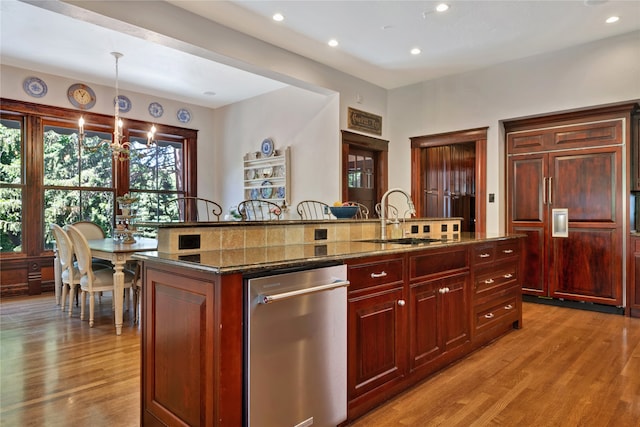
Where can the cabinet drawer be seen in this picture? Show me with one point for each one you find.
(484, 254)
(496, 277)
(437, 263)
(375, 273)
(501, 309)
(507, 249)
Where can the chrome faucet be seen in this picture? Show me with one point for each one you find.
(383, 209)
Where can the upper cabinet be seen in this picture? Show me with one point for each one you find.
(267, 177)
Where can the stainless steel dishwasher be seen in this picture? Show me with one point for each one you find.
(296, 349)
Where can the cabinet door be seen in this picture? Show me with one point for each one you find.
(376, 341)
(587, 265)
(438, 319)
(527, 214)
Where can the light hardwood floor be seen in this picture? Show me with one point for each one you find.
(564, 368)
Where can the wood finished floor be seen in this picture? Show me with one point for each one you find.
(564, 368)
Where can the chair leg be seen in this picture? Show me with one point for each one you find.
(72, 292)
(63, 299)
(83, 303)
(92, 303)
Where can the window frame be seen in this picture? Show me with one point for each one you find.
(32, 117)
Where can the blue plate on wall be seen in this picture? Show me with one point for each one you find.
(124, 103)
(35, 87)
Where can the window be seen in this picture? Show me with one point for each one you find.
(47, 177)
(11, 184)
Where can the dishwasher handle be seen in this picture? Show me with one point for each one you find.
(266, 299)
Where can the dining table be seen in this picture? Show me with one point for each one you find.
(119, 253)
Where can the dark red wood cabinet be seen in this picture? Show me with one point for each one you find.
(573, 161)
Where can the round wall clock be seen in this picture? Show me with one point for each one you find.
(81, 96)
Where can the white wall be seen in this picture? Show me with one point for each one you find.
(598, 73)
(303, 120)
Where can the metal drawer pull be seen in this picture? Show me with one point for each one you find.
(508, 251)
(401, 302)
(508, 276)
(447, 290)
(485, 255)
(488, 281)
(489, 316)
(378, 275)
(442, 290)
(508, 307)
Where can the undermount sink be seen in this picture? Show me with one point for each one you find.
(405, 240)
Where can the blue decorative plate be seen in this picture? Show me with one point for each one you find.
(184, 115)
(266, 191)
(156, 110)
(255, 193)
(34, 87)
(267, 147)
(280, 193)
(124, 103)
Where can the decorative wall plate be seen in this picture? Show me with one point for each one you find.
(124, 103)
(156, 110)
(267, 190)
(34, 87)
(184, 115)
(280, 193)
(267, 147)
(255, 193)
(81, 96)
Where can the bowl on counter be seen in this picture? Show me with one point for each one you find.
(343, 212)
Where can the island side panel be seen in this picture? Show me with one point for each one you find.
(185, 352)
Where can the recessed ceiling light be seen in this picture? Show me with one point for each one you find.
(278, 17)
(442, 7)
(333, 43)
(612, 19)
(415, 51)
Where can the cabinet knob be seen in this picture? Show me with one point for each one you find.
(401, 302)
(378, 275)
(508, 307)
(488, 281)
(508, 276)
(442, 290)
(488, 316)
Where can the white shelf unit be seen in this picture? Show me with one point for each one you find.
(268, 178)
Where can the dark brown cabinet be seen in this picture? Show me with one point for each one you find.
(376, 332)
(438, 305)
(573, 162)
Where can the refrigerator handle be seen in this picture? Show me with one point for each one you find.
(550, 189)
(544, 190)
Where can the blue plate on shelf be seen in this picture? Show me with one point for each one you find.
(266, 191)
(267, 147)
(255, 194)
(280, 193)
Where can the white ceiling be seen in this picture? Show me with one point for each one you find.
(374, 41)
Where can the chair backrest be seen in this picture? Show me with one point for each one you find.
(82, 250)
(196, 207)
(363, 211)
(90, 230)
(64, 246)
(259, 210)
(312, 209)
(392, 211)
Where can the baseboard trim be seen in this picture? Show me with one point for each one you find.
(580, 305)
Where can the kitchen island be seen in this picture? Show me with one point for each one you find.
(412, 308)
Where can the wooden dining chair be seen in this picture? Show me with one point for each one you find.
(259, 210)
(92, 281)
(312, 209)
(69, 274)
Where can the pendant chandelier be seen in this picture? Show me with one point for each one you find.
(120, 149)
